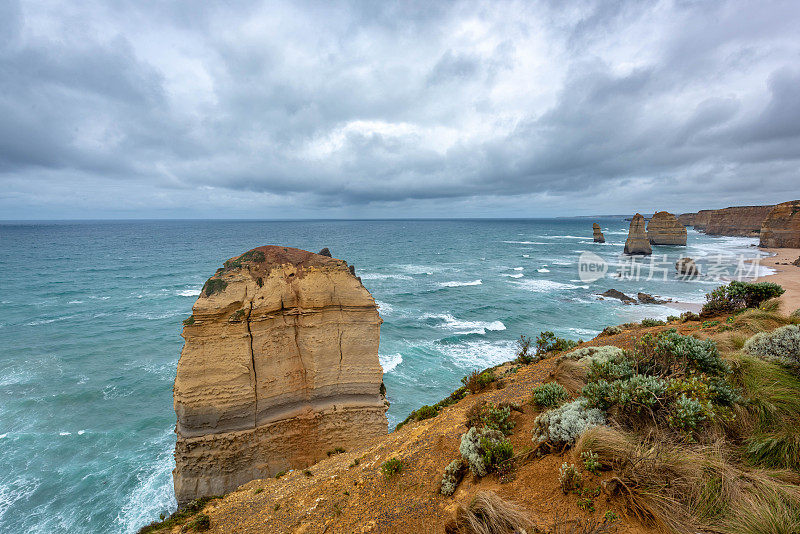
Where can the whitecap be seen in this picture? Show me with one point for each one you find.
(526, 255)
(81, 432)
(518, 268)
(3, 435)
(514, 275)
(188, 292)
(525, 243)
(542, 270)
(384, 307)
(75, 302)
(382, 276)
(390, 361)
(456, 283)
(459, 326)
(479, 354)
(543, 286)
(64, 433)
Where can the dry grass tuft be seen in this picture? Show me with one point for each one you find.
(680, 487)
(753, 321)
(562, 525)
(571, 374)
(488, 514)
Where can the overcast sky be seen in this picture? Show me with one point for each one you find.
(375, 109)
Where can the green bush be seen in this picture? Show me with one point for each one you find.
(214, 285)
(671, 353)
(688, 413)
(737, 295)
(781, 346)
(453, 474)
(491, 416)
(632, 395)
(189, 321)
(550, 394)
(199, 523)
(478, 445)
(392, 467)
(611, 331)
(652, 322)
(563, 425)
(616, 366)
(496, 452)
(335, 450)
(478, 380)
(249, 256)
(548, 342)
(524, 350)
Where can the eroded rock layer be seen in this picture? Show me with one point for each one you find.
(744, 221)
(598, 234)
(280, 364)
(637, 242)
(781, 228)
(664, 229)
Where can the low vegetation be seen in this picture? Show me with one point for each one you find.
(214, 285)
(739, 295)
(549, 395)
(392, 467)
(256, 256)
(189, 517)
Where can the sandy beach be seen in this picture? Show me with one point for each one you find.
(786, 274)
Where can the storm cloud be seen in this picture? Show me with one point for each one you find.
(372, 109)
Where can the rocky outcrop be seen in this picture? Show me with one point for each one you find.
(687, 267)
(664, 229)
(619, 295)
(781, 228)
(280, 364)
(796, 262)
(646, 298)
(598, 235)
(743, 221)
(637, 242)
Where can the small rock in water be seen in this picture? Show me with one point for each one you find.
(325, 252)
(614, 294)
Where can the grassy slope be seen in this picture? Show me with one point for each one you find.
(342, 497)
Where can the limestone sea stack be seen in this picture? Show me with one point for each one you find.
(637, 242)
(781, 228)
(280, 364)
(598, 235)
(664, 229)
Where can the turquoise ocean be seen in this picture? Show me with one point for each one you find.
(90, 323)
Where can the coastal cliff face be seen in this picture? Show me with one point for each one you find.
(637, 242)
(280, 364)
(781, 228)
(742, 221)
(664, 229)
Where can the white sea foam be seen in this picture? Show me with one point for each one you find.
(3, 435)
(384, 276)
(542, 270)
(390, 361)
(384, 307)
(456, 283)
(65, 433)
(543, 286)
(518, 268)
(526, 255)
(20, 488)
(584, 331)
(459, 326)
(75, 302)
(188, 292)
(525, 243)
(479, 354)
(513, 275)
(81, 432)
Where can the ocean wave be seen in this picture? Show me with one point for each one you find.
(11, 492)
(479, 354)
(584, 331)
(513, 275)
(456, 283)
(384, 307)
(390, 361)
(526, 255)
(519, 268)
(154, 316)
(542, 270)
(188, 292)
(383, 276)
(459, 326)
(543, 286)
(525, 243)
(75, 302)
(41, 322)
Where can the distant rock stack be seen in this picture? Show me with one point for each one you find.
(637, 242)
(280, 364)
(687, 267)
(687, 219)
(598, 235)
(781, 228)
(664, 229)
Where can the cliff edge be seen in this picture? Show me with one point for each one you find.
(280, 364)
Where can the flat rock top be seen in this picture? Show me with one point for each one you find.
(278, 255)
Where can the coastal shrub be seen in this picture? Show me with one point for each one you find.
(781, 346)
(550, 394)
(671, 318)
(199, 523)
(569, 477)
(611, 331)
(586, 353)
(547, 342)
(737, 295)
(795, 313)
(474, 447)
(179, 517)
(591, 462)
(495, 452)
(688, 413)
(652, 322)
(214, 285)
(488, 514)
(631, 396)
(334, 451)
(426, 412)
(251, 255)
(689, 316)
(524, 354)
(671, 353)
(488, 415)
(565, 423)
(586, 504)
(613, 366)
(189, 321)
(236, 316)
(708, 324)
(453, 474)
(391, 467)
(771, 305)
(477, 381)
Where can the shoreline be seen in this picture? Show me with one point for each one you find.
(786, 275)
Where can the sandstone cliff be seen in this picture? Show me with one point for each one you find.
(664, 229)
(280, 364)
(598, 235)
(781, 228)
(637, 242)
(743, 221)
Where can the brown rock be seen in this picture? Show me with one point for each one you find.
(664, 229)
(781, 228)
(687, 266)
(598, 235)
(701, 219)
(687, 219)
(796, 262)
(280, 364)
(637, 242)
(744, 221)
(645, 298)
(615, 294)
